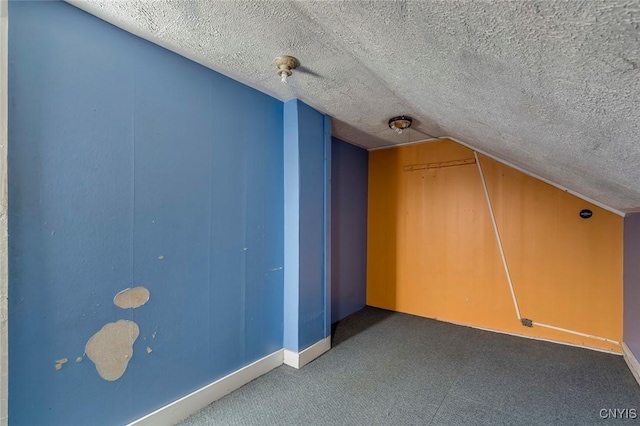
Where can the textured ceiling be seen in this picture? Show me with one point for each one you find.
(550, 86)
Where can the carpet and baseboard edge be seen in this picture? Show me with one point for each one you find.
(182, 408)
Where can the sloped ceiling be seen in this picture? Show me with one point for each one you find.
(550, 86)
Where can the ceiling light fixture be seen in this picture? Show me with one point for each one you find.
(285, 64)
(400, 123)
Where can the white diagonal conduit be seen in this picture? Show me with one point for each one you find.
(506, 267)
(495, 228)
(577, 333)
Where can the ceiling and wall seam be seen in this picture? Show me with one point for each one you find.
(406, 106)
(550, 87)
(506, 163)
(540, 178)
(410, 108)
(102, 14)
(379, 148)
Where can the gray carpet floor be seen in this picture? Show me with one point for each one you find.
(387, 368)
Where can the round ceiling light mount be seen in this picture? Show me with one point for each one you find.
(400, 123)
(285, 64)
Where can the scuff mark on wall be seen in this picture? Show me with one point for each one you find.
(131, 298)
(111, 348)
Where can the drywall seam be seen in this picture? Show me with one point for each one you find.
(547, 181)
(182, 408)
(299, 360)
(4, 211)
(495, 228)
(558, 342)
(577, 333)
(632, 362)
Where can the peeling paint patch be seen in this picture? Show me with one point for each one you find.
(111, 348)
(60, 362)
(131, 298)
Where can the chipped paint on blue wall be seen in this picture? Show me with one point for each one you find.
(124, 173)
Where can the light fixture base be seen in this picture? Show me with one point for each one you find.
(285, 64)
(400, 123)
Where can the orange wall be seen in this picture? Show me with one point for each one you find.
(433, 251)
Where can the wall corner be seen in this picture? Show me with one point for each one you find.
(4, 214)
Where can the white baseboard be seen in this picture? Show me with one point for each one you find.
(632, 362)
(182, 408)
(299, 360)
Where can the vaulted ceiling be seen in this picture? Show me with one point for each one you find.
(550, 86)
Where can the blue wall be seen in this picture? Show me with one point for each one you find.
(120, 153)
(631, 297)
(305, 143)
(312, 180)
(291, 157)
(350, 169)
